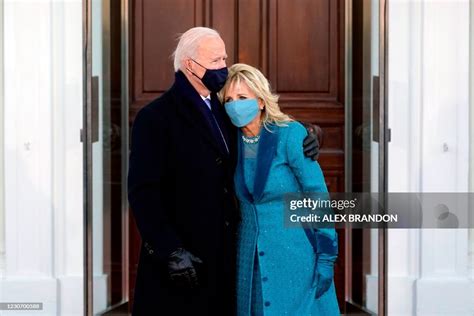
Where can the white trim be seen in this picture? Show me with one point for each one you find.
(2, 199)
(471, 96)
(471, 132)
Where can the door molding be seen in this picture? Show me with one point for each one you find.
(86, 137)
(383, 154)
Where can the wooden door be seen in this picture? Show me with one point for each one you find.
(298, 44)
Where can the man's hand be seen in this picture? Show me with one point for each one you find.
(181, 269)
(312, 142)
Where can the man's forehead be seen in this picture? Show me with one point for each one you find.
(213, 46)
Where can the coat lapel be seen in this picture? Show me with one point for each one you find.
(266, 153)
(219, 112)
(195, 118)
(188, 100)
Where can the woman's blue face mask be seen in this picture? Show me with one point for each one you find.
(242, 112)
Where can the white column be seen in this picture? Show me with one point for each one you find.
(428, 113)
(28, 142)
(405, 96)
(43, 155)
(67, 152)
(444, 287)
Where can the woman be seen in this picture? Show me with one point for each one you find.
(279, 270)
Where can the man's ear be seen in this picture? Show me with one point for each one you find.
(188, 64)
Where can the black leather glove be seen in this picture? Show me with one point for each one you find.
(311, 143)
(181, 269)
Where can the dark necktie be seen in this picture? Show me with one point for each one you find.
(216, 126)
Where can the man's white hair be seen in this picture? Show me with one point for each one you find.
(189, 43)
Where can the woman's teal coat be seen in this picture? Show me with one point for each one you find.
(287, 260)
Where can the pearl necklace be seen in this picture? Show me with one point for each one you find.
(250, 140)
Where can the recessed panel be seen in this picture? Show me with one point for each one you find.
(163, 21)
(303, 45)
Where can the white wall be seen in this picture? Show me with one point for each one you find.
(43, 155)
(429, 118)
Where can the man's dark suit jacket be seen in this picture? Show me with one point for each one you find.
(180, 189)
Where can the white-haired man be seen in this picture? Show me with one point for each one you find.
(181, 187)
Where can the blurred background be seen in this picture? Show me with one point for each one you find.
(389, 82)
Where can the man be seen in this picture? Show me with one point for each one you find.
(181, 187)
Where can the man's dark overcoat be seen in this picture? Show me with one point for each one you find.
(180, 189)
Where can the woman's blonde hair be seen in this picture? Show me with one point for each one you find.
(260, 86)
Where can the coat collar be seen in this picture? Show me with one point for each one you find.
(266, 152)
(189, 105)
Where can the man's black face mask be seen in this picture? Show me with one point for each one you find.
(213, 79)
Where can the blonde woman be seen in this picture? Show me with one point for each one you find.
(279, 271)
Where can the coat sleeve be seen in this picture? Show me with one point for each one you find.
(146, 177)
(311, 179)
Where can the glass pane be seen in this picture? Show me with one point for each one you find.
(362, 259)
(108, 216)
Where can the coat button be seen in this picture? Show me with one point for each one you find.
(264, 279)
(226, 223)
(261, 253)
(226, 191)
(267, 304)
(218, 160)
(150, 251)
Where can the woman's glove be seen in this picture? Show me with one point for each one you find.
(326, 252)
(324, 277)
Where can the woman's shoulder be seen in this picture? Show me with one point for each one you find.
(292, 129)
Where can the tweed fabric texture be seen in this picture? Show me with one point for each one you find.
(287, 261)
